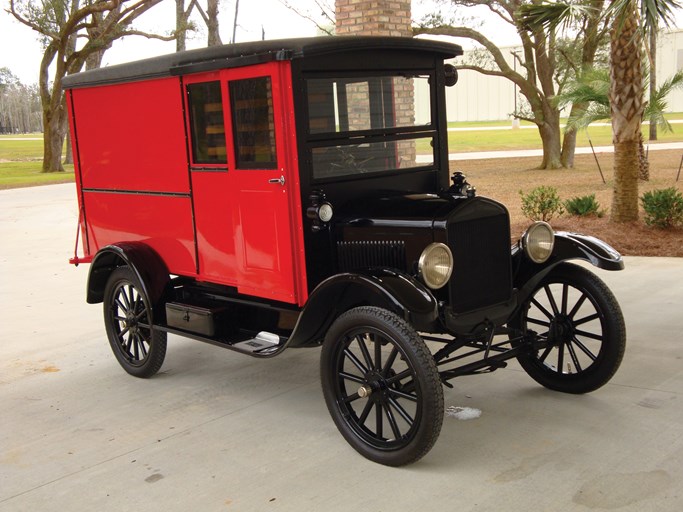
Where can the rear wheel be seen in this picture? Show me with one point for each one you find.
(381, 386)
(138, 347)
(580, 321)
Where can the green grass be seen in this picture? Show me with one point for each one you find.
(12, 149)
(507, 139)
(21, 163)
(26, 174)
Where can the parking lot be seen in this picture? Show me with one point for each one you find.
(215, 430)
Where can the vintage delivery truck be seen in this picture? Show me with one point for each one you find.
(297, 193)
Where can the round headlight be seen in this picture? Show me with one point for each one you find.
(435, 265)
(538, 242)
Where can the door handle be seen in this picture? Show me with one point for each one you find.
(280, 180)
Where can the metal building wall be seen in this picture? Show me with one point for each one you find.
(478, 97)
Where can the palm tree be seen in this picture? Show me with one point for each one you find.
(592, 90)
(626, 89)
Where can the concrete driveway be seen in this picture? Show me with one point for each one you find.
(220, 431)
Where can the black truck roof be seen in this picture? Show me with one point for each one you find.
(244, 54)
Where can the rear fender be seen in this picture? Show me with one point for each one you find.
(568, 246)
(383, 288)
(147, 265)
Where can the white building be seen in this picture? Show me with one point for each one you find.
(478, 97)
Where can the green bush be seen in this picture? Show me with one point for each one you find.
(583, 206)
(542, 203)
(663, 207)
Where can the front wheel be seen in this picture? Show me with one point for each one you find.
(139, 348)
(579, 322)
(381, 386)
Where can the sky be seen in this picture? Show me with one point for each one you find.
(20, 49)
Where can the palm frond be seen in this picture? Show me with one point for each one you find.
(594, 112)
(551, 15)
(658, 104)
(653, 13)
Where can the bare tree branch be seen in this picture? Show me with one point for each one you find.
(309, 17)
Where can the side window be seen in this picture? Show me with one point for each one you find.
(253, 125)
(206, 123)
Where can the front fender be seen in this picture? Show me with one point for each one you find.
(575, 246)
(379, 287)
(568, 246)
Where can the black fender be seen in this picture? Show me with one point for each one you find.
(147, 265)
(385, 288)
(568, 246)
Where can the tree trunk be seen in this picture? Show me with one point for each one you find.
(626, 103)
(180, 25)
(625, 193)
(52, 103)
(53, 122)
(568, 148)
(212, 23)
(552, 155)
(644, 163)
(551, 137)
(69, 156)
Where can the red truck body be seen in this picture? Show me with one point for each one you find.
(137, 182)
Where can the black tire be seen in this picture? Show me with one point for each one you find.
(579, 317)
(374, 349)
(139, 348)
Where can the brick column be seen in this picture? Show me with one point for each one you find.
(373, 17)
(383, 18)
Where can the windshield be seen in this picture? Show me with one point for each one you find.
(369, 124)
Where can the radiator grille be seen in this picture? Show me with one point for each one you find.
(482, 273)
(364, 254)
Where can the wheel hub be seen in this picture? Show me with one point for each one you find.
(561, 330)
(375, 386)
(132, 322)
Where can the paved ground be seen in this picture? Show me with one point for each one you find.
(220, 431)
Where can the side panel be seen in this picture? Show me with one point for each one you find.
(160, 221)
(131, 137)
(132, 166)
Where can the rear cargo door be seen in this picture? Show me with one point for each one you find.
(243, 202)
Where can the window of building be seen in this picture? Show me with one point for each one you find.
(206, 123)
(253, 123)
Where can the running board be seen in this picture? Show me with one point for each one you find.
(263, 344)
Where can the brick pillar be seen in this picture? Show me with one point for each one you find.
(373, 17)
(383, 18)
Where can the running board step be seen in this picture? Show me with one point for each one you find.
(262, 342)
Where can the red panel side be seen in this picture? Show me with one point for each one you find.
(131, 136)
(161, 221)
(213, 216)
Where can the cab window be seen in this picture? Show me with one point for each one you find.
(206, 123)
(253, 124)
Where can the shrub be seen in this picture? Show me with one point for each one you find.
(542, 203)
(663, 207)
(583, 206)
